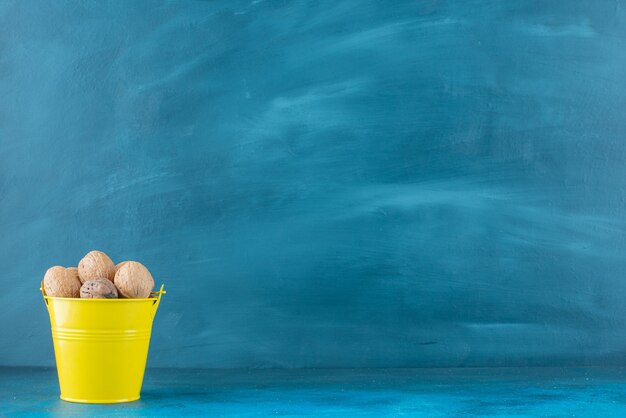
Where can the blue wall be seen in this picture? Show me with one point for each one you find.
(324, 183)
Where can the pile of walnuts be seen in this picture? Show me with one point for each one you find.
(98, 277)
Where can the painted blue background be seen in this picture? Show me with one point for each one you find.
(324, 183)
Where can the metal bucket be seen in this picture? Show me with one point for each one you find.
(101, 346)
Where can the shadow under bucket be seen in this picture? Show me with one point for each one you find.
(101, 346)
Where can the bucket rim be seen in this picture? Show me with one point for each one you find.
(154, 296)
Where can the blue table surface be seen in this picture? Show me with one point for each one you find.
(506, 392)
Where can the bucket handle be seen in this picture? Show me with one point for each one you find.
(155, 304)
(43, 293)
(157, 301)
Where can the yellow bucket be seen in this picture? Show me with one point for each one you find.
(101, 346)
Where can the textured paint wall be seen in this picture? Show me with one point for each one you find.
(324, 183)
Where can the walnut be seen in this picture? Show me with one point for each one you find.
(98, 289)
(133, 280)
(61, 282)
(96, 265)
